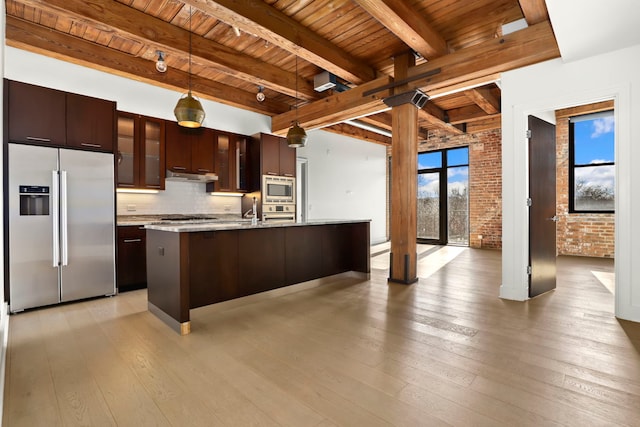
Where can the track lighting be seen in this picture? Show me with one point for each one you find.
(260, 95)
(161, 66)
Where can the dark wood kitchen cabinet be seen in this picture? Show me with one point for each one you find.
(231, 163)
(132, 257)
(44, 116)
(190, 150)
(277, 158)
(91, 123)
(140, 152)
(36, 115)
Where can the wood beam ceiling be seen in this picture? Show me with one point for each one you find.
(482, 61)
(268, 23)
(535, 11)
(36, 38)
(108, 15)
(412, 28)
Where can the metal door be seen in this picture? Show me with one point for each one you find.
(542, 211)
(33, 243)
(87, 224)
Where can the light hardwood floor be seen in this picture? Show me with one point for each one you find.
(445, 351)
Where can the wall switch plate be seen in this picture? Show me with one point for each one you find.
(131, 208)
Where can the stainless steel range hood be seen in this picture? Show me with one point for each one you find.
(190, 177)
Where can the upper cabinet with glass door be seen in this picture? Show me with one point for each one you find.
(140, 152)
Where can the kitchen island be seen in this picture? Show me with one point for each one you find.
(193, 265)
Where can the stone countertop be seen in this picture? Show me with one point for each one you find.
(124, 220)
(242, 225)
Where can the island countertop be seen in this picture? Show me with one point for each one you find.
(241, 225)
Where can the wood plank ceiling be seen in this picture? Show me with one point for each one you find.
(239, 45)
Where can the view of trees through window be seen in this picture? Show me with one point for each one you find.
(443, 196)
(592, 170)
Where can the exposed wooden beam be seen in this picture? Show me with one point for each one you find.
(355, 132)
(429, 120)
(493, 122)
(519, 49)
(108, 15)
(36, 38)
(474, 64)
(381, 120)
(535, 11)
(484, 99)
(410, 27)
(585, 109)
(335, 108)
(267, 22)
(467, 114)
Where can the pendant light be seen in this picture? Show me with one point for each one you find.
(189, 111)
(296, 137)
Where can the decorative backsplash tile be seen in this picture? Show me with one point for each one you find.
(177, 198)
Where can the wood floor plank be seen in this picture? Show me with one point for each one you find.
(445, 351)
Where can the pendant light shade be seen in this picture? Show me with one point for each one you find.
(189, 112)
(296, 137)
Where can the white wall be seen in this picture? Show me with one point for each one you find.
(556, 84)
(349, 183)
(347, 180)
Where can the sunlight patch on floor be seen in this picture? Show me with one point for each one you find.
(430, 258)
(438, 259)
(607, 279)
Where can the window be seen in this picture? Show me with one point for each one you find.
(591, 163)
(443, 201)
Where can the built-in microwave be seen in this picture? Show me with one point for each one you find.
(278, 189)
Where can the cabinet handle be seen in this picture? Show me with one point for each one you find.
(132, 240)
(203, 170)
(288, 174)
(271, 173)
(35, 138)
(179, 168)
(86, 144)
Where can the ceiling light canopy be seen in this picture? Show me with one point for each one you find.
(188, 111)
(260, 96)
(161, 66)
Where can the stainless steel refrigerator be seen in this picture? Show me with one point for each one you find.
(61, 225)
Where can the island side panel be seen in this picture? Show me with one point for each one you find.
(261, 257)
(303, 258)
(168, 273)
(361, 247)
(337, 249)
(213, 267)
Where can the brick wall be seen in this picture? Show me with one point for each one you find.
(485, 182)
(577, 234)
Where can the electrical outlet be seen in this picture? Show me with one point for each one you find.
(227, 208)
(480, 236)
(131, 208)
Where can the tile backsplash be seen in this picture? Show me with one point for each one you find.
(177, 198)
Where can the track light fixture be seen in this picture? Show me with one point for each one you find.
(161, 66)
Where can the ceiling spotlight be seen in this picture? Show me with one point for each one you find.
(260, 95)
(161, 66)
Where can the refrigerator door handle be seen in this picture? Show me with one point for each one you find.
(63, 218)
(56, 217)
